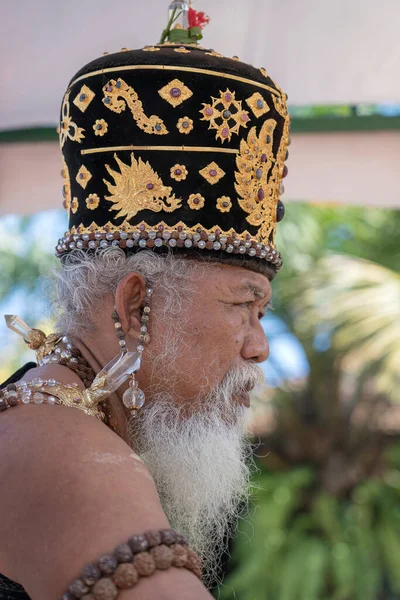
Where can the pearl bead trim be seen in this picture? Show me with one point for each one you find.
(173, 238)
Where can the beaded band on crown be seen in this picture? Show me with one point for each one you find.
(163, 236)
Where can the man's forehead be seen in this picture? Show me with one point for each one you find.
(240, 281)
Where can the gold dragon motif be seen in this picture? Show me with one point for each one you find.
(118, 95)
(138, 187)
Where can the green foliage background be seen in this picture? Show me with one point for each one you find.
(324, 521)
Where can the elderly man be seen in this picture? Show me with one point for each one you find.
(173, 158)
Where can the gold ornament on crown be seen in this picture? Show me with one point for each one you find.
(138, 187)
(118, 95)
(68, 129)
(254, 183)
(225, 114)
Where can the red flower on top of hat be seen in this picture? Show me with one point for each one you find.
(198, 18)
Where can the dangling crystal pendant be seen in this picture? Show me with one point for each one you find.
(113, 375)
(133, 397)
(17, 325)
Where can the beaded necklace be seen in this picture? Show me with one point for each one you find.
(65, 354)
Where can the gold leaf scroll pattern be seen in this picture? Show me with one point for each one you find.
(225, 114)
(118, 95)
(138, 187)
(68, 129)
(256, 180)
(66, 190)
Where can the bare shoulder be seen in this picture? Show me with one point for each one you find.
(72, 490)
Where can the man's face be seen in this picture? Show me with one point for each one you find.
(202, 358)
(217, 329)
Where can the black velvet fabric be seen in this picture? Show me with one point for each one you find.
(9, 590)
(147, 72)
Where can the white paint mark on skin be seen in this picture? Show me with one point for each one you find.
(108, 458)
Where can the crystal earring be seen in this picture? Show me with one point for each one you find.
(134, 397)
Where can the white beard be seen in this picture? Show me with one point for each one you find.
(201, 462)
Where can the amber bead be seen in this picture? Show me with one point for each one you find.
(153, 538)
(105, 589)
(123, 553)
(179, 555)
(125, 576)
(90, 574)
(144, 564)
(162, 555)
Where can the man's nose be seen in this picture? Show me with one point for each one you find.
(256, 345)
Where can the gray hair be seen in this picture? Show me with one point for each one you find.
(83, 281)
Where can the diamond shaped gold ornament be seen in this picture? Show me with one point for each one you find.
(175, 92)
(83, 176)
(212, 173)
(257, 104)
(84, 98)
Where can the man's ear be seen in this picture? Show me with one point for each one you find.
(129, 298)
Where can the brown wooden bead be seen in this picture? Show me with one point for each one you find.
(150, 243)
(179, 555)
(193, 563)
(108, 563)
(125, 576)
(105, 589)
(180, 243)
(78, 588)
(123, 553)
(153, 538)
(162, 555)
(144, 564)
(90, 574)
(138, 543)
(169, 536)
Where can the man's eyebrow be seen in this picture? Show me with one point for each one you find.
(255, 290)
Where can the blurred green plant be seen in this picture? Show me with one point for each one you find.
(326, 522)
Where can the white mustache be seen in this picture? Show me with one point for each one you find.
(242, 379)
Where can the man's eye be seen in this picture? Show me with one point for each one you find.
(268, 307)
(246, 304)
